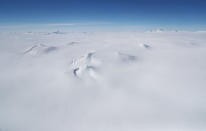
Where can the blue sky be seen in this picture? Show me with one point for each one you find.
(183, 14)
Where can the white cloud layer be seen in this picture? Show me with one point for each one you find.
(102, 81)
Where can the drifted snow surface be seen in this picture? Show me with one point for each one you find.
(103, 81)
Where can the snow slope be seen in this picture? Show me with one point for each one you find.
(103, 81)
